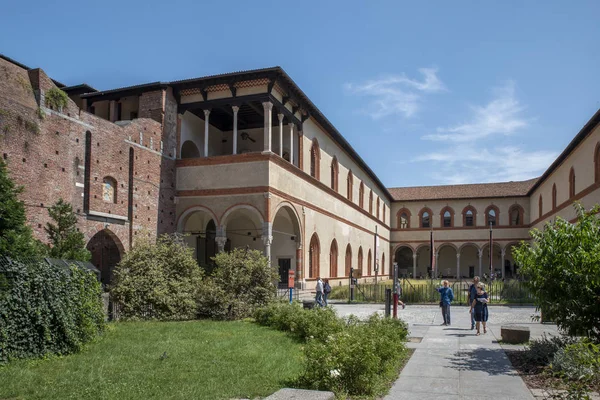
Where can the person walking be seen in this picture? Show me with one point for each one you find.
(446, 297)
(473, 296)
(479, 308)
(319, 296)
(326, 291)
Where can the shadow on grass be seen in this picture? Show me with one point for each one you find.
(492, 361)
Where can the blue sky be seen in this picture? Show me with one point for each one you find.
(426, 92)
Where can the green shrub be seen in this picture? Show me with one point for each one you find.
(157, 279)
(578, 361)
(541, 351)
(56, 98)
(347, 356)
(241, 281)
(46, 309)
(360, 360)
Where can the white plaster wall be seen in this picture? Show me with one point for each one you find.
(129, 105)
(192, 128)
(238, 175)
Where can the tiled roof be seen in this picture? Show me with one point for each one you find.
(469, 191)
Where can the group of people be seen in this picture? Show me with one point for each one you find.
(478, 301)
(323, 289)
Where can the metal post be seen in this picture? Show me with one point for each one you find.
(388, 301)
(351, 284)
(395, 280)
(291, 295)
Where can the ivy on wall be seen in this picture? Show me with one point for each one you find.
(56, 99)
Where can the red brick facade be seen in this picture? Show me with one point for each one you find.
(68, 153)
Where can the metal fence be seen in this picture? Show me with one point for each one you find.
(424, 292)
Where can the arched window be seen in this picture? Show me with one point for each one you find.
(403, 217)
(360, 260)
(516, 215)
(597, 163)
(313, 257)
(189, 150)
(469, 216)
(334, 174)
(348, 263)
(333, 259)
(109, 190)
(554, 196)
(378, 206)
(382, 266)
(425, 218)
(361, 195)
(383, 213)
(371, 202)
(572, 183)
(315, 159)
(369, 264)
(492, 216)
(349, 182)
(540, 206)
(447, 217)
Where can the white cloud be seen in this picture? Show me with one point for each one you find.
(397, 94)
(501, 116)
(471, 164)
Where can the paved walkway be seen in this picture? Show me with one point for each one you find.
(451, 362)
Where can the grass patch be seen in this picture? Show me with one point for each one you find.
(204, 360)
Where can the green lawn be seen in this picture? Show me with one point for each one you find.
(205, 360)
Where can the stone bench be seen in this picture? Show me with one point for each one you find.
(300, 394)
(515, 334)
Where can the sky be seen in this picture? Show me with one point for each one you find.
(427, 93)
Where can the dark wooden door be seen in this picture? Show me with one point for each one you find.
(284, 269)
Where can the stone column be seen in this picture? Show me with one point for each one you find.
(299, 271)
(235, 126)
(221, 239)
(480, 254)
(267, 237)
(206, 114)
(291, 143)
(414, 265)
(280, 116)
(457, 265)
(268, 108)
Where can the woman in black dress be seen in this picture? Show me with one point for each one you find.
(480, 309)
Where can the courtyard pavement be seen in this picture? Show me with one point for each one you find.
(451, 362)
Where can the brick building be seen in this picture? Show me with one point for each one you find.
(246, 159)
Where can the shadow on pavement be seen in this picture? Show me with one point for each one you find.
(492, 361)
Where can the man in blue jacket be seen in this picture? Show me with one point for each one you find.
(446, 297)
(472, 296)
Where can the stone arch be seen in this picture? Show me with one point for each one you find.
(292, 209)
(447, 217)
(425, 215)
(399, 222)
(469, 260)
(572, 188)
(540, 207)
(287, 239)
(243, 225)
(106, 249)
(361, 195)
(251, 211)
(492, 216)
(516, 215)
(554, 194)
(315, 159)
(496, 258)
(446, 259)
(382, 264)
(403, 256)
(597, 163)
(510, 268)
(314, 254)
(360, 263)
(371, 202)
(349, 185)
(369, 263)
(348, 260)
(333, 259)
(335, 172)
(181, 221)
(465, 214)
(189, 150)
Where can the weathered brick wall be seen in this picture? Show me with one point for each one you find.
(47, 157)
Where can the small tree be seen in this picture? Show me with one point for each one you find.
(562, 269)
(16, 238)
(158, 279)
(65, 240)
(242, 281)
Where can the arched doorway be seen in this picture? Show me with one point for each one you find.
(469, 260)
(314, 255)
(446, 260)
(423, 262)
(200, 228)
(286, 243)
(106, 249)
(189, 150)
(333, 259)
(404, 259)
(243, 226)
(496, 260)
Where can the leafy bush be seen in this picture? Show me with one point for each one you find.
(359, 360)
(562, 267)
(347, 356)
(541, 351)
(578, 361)
(158, 279)
(242, 281)
(56, 98)
(65, 240)
(46, 309)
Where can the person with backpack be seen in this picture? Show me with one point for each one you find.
(326, 291)
(446, 297)
(319, 289)
(473, 296)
